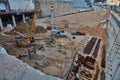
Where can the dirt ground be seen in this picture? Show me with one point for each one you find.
(25, 28)
(57, 57)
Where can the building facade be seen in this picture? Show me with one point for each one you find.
(13, 10)
(100, 0)
(21, 5)
(79, 4)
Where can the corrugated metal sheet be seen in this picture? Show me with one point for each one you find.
(21, 4)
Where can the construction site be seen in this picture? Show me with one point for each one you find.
(62, 46)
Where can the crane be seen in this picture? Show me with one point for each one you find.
(22, 40)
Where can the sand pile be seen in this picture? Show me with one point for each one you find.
(95, 31)
(26, 28)
(91, 19)
(88, 22)
(103, 13)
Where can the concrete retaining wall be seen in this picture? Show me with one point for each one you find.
(113, 52)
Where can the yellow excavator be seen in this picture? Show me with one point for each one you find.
(23, 40)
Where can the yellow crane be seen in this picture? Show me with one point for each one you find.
(20, 41)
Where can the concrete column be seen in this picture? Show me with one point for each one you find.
(1, 24)
(13, 19)
(24, 18)
(52, 15)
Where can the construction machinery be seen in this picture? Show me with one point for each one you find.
(55, 31)
(58, 33)
(23, 40)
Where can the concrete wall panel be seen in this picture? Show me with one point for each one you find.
(112, 70)
(21, 5)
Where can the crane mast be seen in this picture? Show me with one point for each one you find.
(23, 40)
(37, 10)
